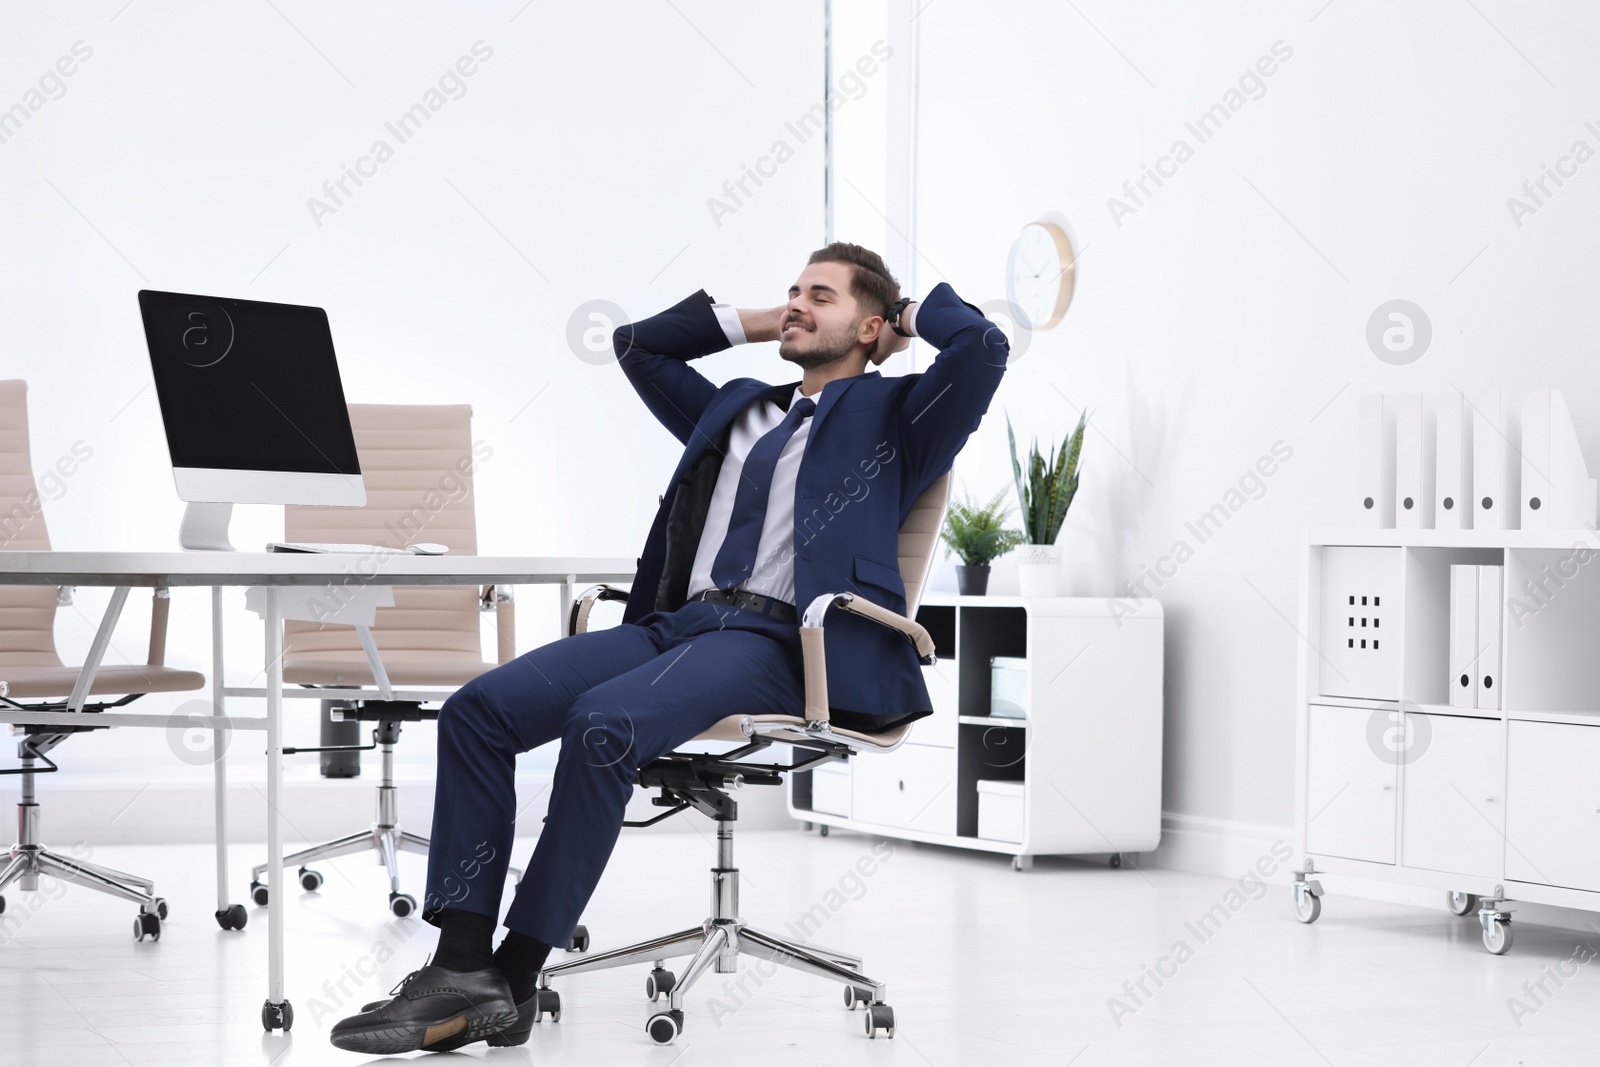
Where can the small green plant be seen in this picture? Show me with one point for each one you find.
(1051, 483)
(977, 532)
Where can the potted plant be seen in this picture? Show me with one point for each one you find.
(977, 533)
(1045, 492)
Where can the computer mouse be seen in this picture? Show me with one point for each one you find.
(428, 548)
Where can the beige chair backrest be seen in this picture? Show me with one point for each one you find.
(27, 613)
(416, 463)
(919, 536)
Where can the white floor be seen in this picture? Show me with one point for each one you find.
(984, 965)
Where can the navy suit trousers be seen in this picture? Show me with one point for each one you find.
(616, 699)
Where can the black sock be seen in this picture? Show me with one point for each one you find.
(520, 958)
(464, 941)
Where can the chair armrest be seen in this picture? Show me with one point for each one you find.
(578, 620)
(160, 605)
(813, 647)
(504, 605)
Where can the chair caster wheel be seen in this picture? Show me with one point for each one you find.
(310, 880)
(233, 917)
(546, 1002)
(580, 939)
(665, 1026)
(147, 924)
(161, 907)
(258, 893)
(402, 904)
(1461, 903)
(1497, 937)
(277, 1016)
(659, 982)
(880, 1017)
(823, 829)
(2, 905)
(855, 996)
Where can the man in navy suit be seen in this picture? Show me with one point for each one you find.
(783, 493)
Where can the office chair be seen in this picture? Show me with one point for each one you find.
(416, 462)
(31, 668)
(692, 780)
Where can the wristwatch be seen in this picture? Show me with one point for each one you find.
(897, 309)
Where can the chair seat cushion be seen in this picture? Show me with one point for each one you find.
(121, 679)
(732, 729)
(411, 668)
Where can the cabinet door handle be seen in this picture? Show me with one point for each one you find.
(902, 785)
(1387, 788)
(1488, 800)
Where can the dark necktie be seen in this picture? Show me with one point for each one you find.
(737, 556)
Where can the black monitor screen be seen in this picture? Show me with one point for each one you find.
(245, 385)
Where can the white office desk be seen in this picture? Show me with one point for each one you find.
(274, 572)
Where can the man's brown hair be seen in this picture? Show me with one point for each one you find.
(873, 287)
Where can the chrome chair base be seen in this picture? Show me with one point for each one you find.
(717, 945)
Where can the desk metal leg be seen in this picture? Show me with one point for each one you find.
(276, 1014)
(229, 916)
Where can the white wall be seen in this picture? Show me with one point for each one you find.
(1229, 312)
(575, 163)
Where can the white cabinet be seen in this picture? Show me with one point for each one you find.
(1080, 773)
(1553, 804)
(1453, 770)
(911, 788)
(1494, 799)
(1350, 787)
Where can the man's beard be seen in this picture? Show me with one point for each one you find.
(826, 349)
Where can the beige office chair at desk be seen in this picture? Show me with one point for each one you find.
(416, 462)
(31, 669)
(693, 780)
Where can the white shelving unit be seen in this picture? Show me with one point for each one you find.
(1087, 752)
(1394, 783)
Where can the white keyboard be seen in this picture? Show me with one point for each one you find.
(347, 549)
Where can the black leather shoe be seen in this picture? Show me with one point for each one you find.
(435, 1010)
(517, 1033)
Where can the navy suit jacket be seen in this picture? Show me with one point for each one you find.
(875, 444)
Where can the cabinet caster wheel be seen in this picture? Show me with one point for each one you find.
(402, 904)
(855, 996)
(1022, 863)
(147, 924)
(546, 1002)
(1497, 937)
(1461, 903)
(1116, 860)
(233, 917)
(277, 1016)
(258, 893)
(880, 1017)
(580, 939)
(658, 983)
(1307, 907)
(665, 1026)
(310, 880)
(823, 829)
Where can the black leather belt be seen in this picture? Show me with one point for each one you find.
(781, 610)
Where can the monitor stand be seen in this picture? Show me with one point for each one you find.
(205, 527)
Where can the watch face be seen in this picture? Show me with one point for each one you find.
(1036, 275)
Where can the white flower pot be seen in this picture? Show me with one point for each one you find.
(1038, 570)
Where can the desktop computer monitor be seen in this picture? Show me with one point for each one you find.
(253, 407)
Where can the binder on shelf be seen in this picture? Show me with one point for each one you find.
(1413, 463)
(1486, 691)
(1463, 634)
(1496, 460)
(1453, 463)
(1375, 455)
(1556, 490)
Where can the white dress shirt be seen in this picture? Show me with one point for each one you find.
(773, 574)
